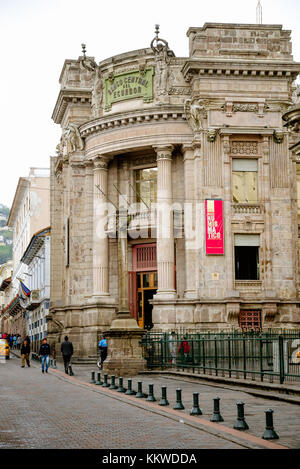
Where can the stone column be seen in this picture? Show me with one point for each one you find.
(100, 239)
(190, 222)
(165, 232)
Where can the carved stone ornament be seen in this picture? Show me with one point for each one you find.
(296, 96)
(70, 141)
(180, 90)
(278, 136)
(211, 135)
(195, 112)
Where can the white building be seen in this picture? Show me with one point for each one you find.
(37, 260)
(30, 212)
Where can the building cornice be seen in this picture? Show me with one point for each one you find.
(239, 68)
(69, 96)
(132, 118)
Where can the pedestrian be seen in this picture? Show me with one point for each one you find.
(44, 354)
(27, 338)
(19, 341)
(172, 347)
(103, 349)
(67, 352)
(184, 348)
(15, 341)
(25, 353)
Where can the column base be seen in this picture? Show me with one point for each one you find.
(165, 295)
(125, 356)
(190, 294)
(101, 298)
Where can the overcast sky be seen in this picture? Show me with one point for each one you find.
(36, 36)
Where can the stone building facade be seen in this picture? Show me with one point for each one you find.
(173, 190)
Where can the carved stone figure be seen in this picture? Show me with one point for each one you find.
(195, 113)
(97, 93)
(162, 53)
(70, 141)
(162, 70)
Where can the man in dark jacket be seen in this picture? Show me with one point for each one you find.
(44, 353)
(67, 351)
(25, 353)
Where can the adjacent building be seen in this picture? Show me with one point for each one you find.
(29, 214)
(173, 191)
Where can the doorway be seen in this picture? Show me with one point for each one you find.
(146, 288)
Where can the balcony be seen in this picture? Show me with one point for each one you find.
(141, 222)
(34, 300)
(247, 209)
(248, 286)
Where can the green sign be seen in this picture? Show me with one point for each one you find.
(129, 85)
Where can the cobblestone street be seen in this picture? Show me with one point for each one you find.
(59, 412)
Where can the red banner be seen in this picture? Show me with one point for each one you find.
(214, 226)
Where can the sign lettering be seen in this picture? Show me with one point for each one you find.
(129, 85)
(214, 227)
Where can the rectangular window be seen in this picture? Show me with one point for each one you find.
(246, 257)
(146, 185)
(244, 180)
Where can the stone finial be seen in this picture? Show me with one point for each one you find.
(158, 44)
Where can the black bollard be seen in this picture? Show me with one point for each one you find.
(178, 405)
(151, 397)
(163, 400)
(129, 391)
(269, 433)
(105, 383)
(99, 382)
(140, 392)
(241, 423)
(196, 409)
(216, 416)
(121, 388)
(92, 378)
(113, 382)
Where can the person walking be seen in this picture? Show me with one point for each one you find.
(184, 349)
(172, 347)
(44, 354)
(19, 341)
(67, 352)
(25, 354)
(103, 349)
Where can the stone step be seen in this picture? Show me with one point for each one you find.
(85, 360)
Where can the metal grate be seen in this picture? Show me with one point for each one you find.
(250, 320)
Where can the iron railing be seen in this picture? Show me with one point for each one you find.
(252, 355)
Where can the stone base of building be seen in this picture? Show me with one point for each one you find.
(194, 314)
(82, 324)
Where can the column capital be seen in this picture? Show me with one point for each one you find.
(188, 151)
(163, 152)
(100, 162)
